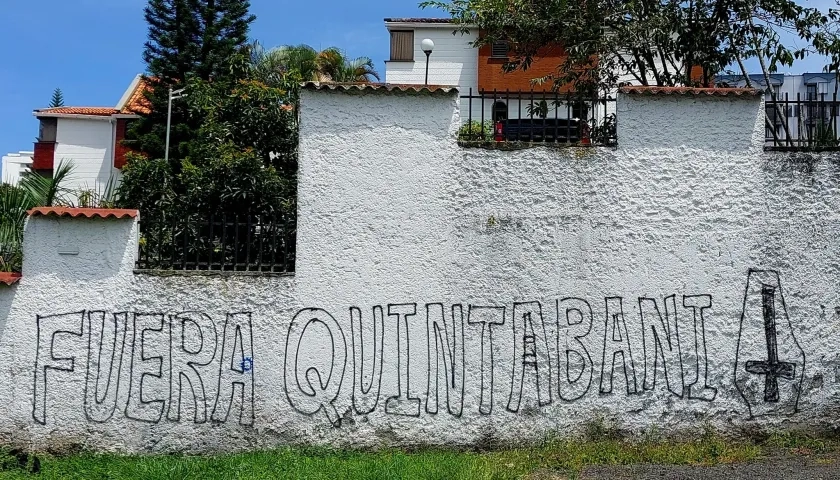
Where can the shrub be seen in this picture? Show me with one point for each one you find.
(475, 131)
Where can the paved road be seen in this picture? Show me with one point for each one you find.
(787, 467)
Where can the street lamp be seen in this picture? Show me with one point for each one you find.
(173, 95)
(427, 45)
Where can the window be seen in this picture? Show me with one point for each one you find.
(47, 130)
(500, 49)
(500, 111)
(402, 45)
(811, 91)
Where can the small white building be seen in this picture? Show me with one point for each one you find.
(807, 103)
(89, 137)
(16, 164)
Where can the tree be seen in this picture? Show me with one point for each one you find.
(333, 65)
(647, 42)
(242, 159)
(289, 64)
(186, 39)
(247, 115)
(34, 190)
(57, 99)
(225, 25)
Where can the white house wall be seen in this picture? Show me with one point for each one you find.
(453, 62)
(89, 145)
(450, 296)
(14, 164)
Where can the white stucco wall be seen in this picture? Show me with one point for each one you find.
(89, 144)
(451, 296)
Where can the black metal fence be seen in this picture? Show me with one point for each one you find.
(542, 117)
(247, 243)
(806, 122)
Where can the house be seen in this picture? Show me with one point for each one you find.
(807, 104)
(15, 164)
(90, 137)
(488, 93)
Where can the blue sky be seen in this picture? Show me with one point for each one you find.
(91, 49)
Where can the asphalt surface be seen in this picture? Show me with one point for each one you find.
(787, 467)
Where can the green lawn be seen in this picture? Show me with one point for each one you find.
(563, 458)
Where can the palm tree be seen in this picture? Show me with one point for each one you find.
(274, 66)
(334, 66)
(34, 190)
(302, 63)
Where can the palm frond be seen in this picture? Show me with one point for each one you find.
(49, 191)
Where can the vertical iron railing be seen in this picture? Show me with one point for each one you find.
(537, 117)
(242, 244)
(808, 123)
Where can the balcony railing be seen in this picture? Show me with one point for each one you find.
(537, 117)
(802, 123)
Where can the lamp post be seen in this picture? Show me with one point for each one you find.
(173, 95)
(427, 45)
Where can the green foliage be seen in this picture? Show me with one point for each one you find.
(231, 182)
(539, 109)
(57, 99)
(186, 39)
(650, 43)
(288, 65)
(247, 114)
(554, 459)
(475, 131)
(147, 185)
(33, 191)
(824, 136)
(234, 182)
(605, 132)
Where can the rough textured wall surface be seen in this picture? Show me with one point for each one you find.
(454, 296)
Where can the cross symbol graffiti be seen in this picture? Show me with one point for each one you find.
(772, 368)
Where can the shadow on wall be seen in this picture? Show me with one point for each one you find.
(78, 249)
(7, 295)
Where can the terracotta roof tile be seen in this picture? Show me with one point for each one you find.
(388, 87)
(691, 91)
(418, 20)
(10, 278)
(138, 103)
(83, 212)
(91, 111)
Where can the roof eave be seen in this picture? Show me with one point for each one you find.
(38, 114)
(451, 26)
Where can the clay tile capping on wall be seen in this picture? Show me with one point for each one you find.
(380, 87)
(10, 278)
(692, 91)
(83, 212)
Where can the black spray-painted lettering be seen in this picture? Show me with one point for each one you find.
(448, 357)
(365, 398)
(530, 354)
(661, 342)
(574, 320)
(320, 386)
(487, 318)
(166, 362)
(616, 344)
(403, 403)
